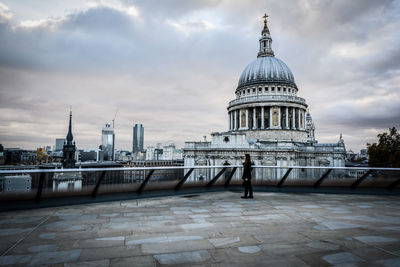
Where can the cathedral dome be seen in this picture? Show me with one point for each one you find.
(266, 69)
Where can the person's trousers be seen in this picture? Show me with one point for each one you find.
(248, 189)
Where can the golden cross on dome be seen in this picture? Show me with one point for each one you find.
(265, 17)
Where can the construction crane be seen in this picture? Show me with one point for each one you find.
(114, 117)
(113, 144)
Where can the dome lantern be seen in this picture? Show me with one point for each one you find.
(265, 41)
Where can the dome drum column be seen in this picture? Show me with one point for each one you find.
(254, 118)
(282, 117)
(303, 119)
(262, 118)
(240, 118)
(279, 118)
(230, 121)
(247, 119)
(287, 118)
(235, 120)
(243, 119)
(298, 119)
(270, 118)
(293, 118)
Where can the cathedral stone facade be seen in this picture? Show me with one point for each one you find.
(268, 121)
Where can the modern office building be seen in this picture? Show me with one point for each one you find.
(93, 155)
(138, 138)
(59, 144)
(167, 152)
(108, 141)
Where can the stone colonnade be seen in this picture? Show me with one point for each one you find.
(267, 117)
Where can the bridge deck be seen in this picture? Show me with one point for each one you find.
(212, 229)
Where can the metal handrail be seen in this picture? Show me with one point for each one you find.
(187, 167)
(225, 171)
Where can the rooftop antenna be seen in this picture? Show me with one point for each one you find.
(114, 117)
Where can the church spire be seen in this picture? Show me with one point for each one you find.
(69, 135)
(265, 41)
(69, 147)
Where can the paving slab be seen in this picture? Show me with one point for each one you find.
(394, 262)
(142, 261)
(183, 257)
(341, 258)
(98, 263)
(249, 249)
(92, 254)
(375, 239)
(162, 239)
(224, 241)
(371, 254)
(42, 248)
(52, 257)
(15, 259)
(160, 248)
(100, 242)
(335, 225)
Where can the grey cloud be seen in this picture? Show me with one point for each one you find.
(103, 38)
(388, 62)
(172, 8)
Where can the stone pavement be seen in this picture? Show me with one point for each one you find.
(211, 229)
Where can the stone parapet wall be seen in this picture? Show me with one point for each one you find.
(279, 135)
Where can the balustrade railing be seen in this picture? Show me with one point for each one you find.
(289, 98)
(25, 184)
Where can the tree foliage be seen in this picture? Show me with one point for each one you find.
(385, 153)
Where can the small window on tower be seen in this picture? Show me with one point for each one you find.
(248, 91)
(259, 89)
(254, 90)
(279, 89)
(266, 89)
(272, 89)
(264, 43)
(284, 89)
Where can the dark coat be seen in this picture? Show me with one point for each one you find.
(247, 171)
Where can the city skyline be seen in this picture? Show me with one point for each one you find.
(174, 67)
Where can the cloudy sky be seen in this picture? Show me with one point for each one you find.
(174, 66)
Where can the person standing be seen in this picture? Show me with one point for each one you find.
(248, 189)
